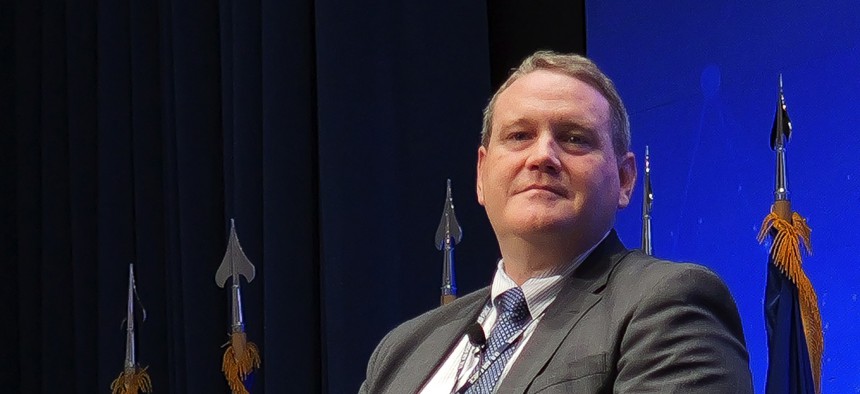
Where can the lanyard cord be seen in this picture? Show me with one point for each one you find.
(470, 347)
(512, 341)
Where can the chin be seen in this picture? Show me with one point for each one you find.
(543, 223)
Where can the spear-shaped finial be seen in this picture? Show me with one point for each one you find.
(241, 356)
(779, 136)
(647, 202)
(448, 234)
(133, 378)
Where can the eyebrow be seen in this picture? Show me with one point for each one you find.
(519, 122)
(562, 125)
(569, 124)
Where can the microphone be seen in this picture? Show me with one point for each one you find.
(476, 335)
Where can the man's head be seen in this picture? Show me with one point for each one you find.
(554, 162)
(577, 67)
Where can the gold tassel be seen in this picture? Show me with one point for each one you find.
(132, 381)
(240, 359)
(785, 253)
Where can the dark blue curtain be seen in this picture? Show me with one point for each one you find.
(134, 130)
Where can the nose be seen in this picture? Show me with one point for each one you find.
(544, 155)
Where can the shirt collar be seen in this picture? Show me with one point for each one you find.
(541, 289)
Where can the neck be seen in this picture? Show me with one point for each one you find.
(527, 258)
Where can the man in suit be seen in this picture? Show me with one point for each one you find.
(570, 309)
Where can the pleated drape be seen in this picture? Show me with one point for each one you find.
(134, 130)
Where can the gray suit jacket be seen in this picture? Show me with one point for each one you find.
(623, 322)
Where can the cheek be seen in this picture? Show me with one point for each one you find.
(499, 175)
(497, 193)
(591, 170)
(596, 179)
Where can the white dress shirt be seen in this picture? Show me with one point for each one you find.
(540, 291)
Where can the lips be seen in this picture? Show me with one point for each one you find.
(550, 188)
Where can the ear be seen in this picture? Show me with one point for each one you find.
(479, 184)
(627, 178)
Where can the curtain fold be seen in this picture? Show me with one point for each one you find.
(135, 130)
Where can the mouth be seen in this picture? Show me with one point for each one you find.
(547, 188)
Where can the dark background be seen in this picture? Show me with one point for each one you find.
(133, 130)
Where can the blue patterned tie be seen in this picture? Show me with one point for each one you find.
(513, 315)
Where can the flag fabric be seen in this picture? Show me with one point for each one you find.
(789, 370)
(794, 335)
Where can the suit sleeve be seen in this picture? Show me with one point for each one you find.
(684, 336)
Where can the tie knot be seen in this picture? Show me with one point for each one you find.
(513, 303)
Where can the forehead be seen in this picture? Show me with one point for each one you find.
(544, 95)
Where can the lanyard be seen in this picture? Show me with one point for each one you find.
(488, 361)
(470, 347)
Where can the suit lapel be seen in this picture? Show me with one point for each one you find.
(580, 292)
(432, 351)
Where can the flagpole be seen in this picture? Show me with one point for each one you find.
(647, 203)
(795, 336)
(241, 356)
(448, 234)
(133, 379)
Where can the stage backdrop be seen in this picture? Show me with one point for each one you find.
(700, 82)
(134, 130)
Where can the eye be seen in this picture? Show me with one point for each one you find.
(518, 136)
(575, 139)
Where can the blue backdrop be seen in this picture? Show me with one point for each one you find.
(700, 83)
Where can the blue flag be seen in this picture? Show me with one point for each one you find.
(789, 370)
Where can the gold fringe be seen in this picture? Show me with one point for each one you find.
(132, 382)
(240, 359)
(785, 253)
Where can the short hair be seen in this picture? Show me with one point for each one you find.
(578, 67)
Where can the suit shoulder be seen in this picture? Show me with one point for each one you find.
(643, 268)
(649, 274)
(397, 345)
(678, 328)
(439, 315)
